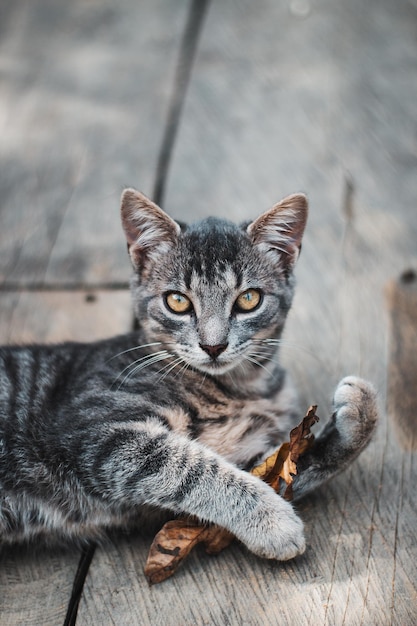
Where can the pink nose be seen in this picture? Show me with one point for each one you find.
(214, 351)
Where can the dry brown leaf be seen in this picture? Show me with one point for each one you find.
(217, 539)
(175, 541)
(282, 464)
(178, 537)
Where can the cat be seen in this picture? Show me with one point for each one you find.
(172, 415)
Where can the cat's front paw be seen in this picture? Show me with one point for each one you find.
(274, 530)
(356, 411)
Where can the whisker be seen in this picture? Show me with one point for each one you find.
(145, 345)
(242, 366)
(255, 362)
(284, 344)
(172, 365)
(153, 359)
(263, 356)
(143, 358)
(183, 369)
(203, 380)
(177, 359)
(141, 366)
(230, 375)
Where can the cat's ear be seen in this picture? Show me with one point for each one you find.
(149, 230)
(281, 228)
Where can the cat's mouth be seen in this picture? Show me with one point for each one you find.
(213, 364)
(219, 360)
(216, 367)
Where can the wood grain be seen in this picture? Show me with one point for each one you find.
(35, 586)
(84, 93)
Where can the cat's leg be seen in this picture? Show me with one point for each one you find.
(148, 464)
(342, 439)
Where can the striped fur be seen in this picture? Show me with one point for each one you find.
(93, 435)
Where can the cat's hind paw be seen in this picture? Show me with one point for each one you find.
(355, 411)
(343, 438)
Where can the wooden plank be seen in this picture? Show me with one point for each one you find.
(84, 93)
(36, 583)
(281, 102)
(29, 317)
(402, 367)
(35, 586)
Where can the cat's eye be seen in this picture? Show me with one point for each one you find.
(178, 303)
(248, 300)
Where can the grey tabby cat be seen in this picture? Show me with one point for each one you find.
(171, 416)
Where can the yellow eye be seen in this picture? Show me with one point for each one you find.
(178, 303)
(248, 300)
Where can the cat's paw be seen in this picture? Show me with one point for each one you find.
(274, 530)
(355, 411)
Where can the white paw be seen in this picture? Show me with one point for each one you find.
(356, 411)
(274, 531)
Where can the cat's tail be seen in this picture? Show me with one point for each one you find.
(347, 433)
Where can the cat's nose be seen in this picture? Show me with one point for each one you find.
(214, 351)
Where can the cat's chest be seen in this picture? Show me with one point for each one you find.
(241, 430)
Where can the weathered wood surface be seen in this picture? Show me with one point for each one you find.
(35, 588)
(84, 97)
(319, 97)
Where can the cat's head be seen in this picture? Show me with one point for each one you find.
(214, 293)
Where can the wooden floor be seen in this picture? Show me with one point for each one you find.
(223, 107)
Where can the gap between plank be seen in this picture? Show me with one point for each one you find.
(77, 587)
(188, 47)
(191, 36)
(11, 287)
